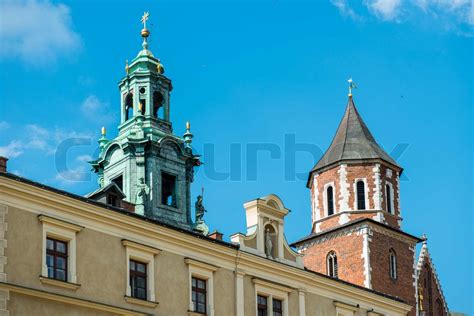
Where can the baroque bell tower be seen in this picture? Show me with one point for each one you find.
(150, 167)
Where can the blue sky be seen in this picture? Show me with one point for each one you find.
(252, 74)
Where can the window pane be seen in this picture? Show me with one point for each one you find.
(141, 267)
(141, 293)
(50, 244)
(360, 195)
(140, 282)
(50, 272)
(389, 198)
(61, 247)
(60, 274)
(132, 265)
(61, 263)
(49, 260)
(201, 284)
(201, 298)
(194, 281)
(330, 200)
(276, 304)
(201, 308)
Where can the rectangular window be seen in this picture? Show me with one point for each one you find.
(138, 279)
(262, 305)
(168, 189)
(277, 307)
(56, 259)
(199, 294)
(113, 200)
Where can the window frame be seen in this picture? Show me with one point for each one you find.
(389, 200)
(272, 292)
(356, 194)
(326, 199)
(332, 266)
(392, 266)
(280, 311)
(146, 255)
(175, 204)
(57, 254)
(262, 307)
(66, 232)
(196, 289)
(204, 271)
(135, 273)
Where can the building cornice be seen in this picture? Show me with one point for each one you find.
(352, 226)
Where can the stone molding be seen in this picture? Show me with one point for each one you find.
(4, 293)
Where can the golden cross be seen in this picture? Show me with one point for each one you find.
(145, 17)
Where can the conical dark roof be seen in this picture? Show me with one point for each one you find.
(353, 141)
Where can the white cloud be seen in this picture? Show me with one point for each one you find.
(345, 9)
(73, 175)
(36, 31)
(96, 110)
(84, 158)
(454, 15)
(385, 9)
(38, 138)
(12, 150)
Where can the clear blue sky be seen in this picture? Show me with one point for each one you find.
(253, 72)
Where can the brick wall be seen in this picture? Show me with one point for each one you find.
(353, 173)
(348, 249)
(403, 286)
(433, 300)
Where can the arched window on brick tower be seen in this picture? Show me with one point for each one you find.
(331, 263)
(330, 200)
(360, 195)
(388, 194)
(392, 264)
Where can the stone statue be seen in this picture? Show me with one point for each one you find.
(142, 191)
(200, 225)
(199, 209)
(268, 243)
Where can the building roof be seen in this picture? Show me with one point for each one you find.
(111, 187)
(114, 208)
(353, 141)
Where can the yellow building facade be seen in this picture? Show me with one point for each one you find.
(102, 239)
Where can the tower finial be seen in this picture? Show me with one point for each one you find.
(352, 85)
(188, 136)
(145, 33)
(127, 67)
(103, 131)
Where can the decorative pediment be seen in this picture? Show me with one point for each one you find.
(265, 231)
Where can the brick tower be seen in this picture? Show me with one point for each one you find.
(356, 222)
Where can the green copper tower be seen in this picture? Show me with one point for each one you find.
(147, 163)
